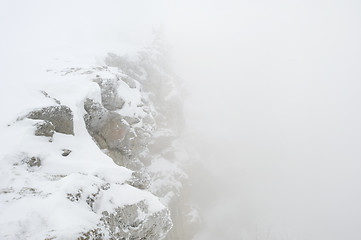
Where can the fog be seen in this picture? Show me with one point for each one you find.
(275, 103)
(273, 106)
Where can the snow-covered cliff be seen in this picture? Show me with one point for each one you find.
(94, 151)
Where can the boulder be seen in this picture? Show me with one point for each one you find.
(66, 152)
(112, 133)
(109, 94)
(61, 117)
(104, 126)
(44, 128)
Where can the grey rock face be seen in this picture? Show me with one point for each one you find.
(44, 128)
(131, 120)
(111, 133)
(61, 117)
(152, 71)
(132, 221)
(109, 93)
(139, 180)
(127, 223)
(104, 126)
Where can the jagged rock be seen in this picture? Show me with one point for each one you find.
(109, 93)
(136, 141)
(94, 234)
(131, 120)
(139, 180)
(113, 135)
(104, 126)
(131, 222)
(60, 116)
(32, 161)
(66, 152)
(125, 159)
(44, 128)
(48, 96)
(135, 222)
(138, 220)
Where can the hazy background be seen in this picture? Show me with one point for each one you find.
(276, 103)
(274, 99)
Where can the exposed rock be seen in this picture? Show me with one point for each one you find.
(104, 126)
(44, 128)
(66, 152)
(125, 159)
(129, 222)
(74, 196)
(48, 96)
(94, 234)
(60, 116)
(131, 120)
(111, 134)
(109, 92)
(98, 197)
(32, 161)
(165, 96)
(139, 180)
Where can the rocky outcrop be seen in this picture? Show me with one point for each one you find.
(134, 115)
(32, 162)
(112, 133)
(130, 221)
(61, 117)
(109, 93)
(169, 181)
(106, 127)
(139, 180)
(44, 128)
(135, 222)
(146, 141)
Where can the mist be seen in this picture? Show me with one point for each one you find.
(275, 98)
(273, 105)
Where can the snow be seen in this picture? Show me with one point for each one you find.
(50, 53)
(35, 200)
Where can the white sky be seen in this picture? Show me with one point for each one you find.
(276, 97)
